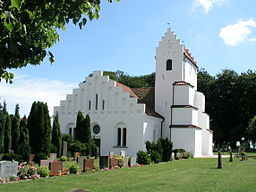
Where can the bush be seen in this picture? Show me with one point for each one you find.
(43, 171)
(63, 158)
(143, 158)
(77, 146)
(74, 168)
(11, 157)
(27, 171)
(156, 157)
(166, 148)
(39, 156)
(186, 155)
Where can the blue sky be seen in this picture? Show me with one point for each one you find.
(219, 33)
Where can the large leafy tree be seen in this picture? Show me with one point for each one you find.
(29, 27)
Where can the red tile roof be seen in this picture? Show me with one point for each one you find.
(127, 89)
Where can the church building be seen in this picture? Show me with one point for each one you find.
(123, 118)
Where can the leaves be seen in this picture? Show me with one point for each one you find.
(15, 4)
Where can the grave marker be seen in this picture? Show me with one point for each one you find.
(56, 167)
(64, 148)
(88, 164)
(104, 162)
(80, 162)
(8, 168)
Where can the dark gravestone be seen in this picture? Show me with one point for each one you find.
(31, 157)
(88, 164)
(56, 167)
(8, 168)
(104, 162)
(64, 148)
(80, 162)
(132, 161)
(53, 156)
(113, 162)
(45, 163)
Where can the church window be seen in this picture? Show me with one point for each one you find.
(103, 104)
(119, 136)
(169, 65)
(96, 104)
(124, 136)
(90, 103)
(70, 131)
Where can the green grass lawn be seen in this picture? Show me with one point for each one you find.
(192, 175)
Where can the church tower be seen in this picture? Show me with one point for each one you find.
(177, 98)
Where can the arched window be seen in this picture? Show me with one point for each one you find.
(119, 136)
(103, 104)
(70, 131)
(168, 65)
(96, 100)
(90, 103)
(124, 136)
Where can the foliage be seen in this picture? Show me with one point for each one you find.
(56, 135)
(156, 157)
(43, 171)
(74, 168)
(27, 171)
(80, 127)
(252, 130)
(2, 128)
(132, 81)
(143, 158)
(63, 158)
(11, 157)
(77, 146)
(39, 126)
(12, 178)
(29, 28)
(24, 148)
(40, 156)
(166, 146)
(7, 134)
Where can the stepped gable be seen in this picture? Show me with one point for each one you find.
(189, 56)
(146, 95)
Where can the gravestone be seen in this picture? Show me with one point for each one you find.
(122, 153)
(8, 168)
(31, 157)
(132, 161)
(76, 154)
(53, 156)
(113, 162)
(64, 148)
(104, 162)
(56, 167)
(80, 162)
(45, 163)
(88, 164)
(126, 162)
(111, 154)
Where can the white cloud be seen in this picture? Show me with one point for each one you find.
(25, 91)
(206, 4)
(237, 33)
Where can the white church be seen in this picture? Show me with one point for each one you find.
(123, 118)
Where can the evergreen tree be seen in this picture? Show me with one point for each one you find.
(39, 126)
(79, 126)
(7, 134)
(56, 135)
(16, 130)
(32, 127)
(87, 136)
(24, 147)
(2, 127)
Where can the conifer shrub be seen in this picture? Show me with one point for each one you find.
(11, 157)
(39, 156)
(143, 158)
(156, 157)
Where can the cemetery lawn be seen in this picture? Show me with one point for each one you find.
(192, 175)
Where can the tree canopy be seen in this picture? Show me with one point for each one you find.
(29, 28)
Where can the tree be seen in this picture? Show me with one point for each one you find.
(29, 28)
(79, 130)
(24, 147)
(87, 129)
(56, 135)
(2, 128)
(16, 130)
(39, 126)
(252, 130)
(7, 134)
